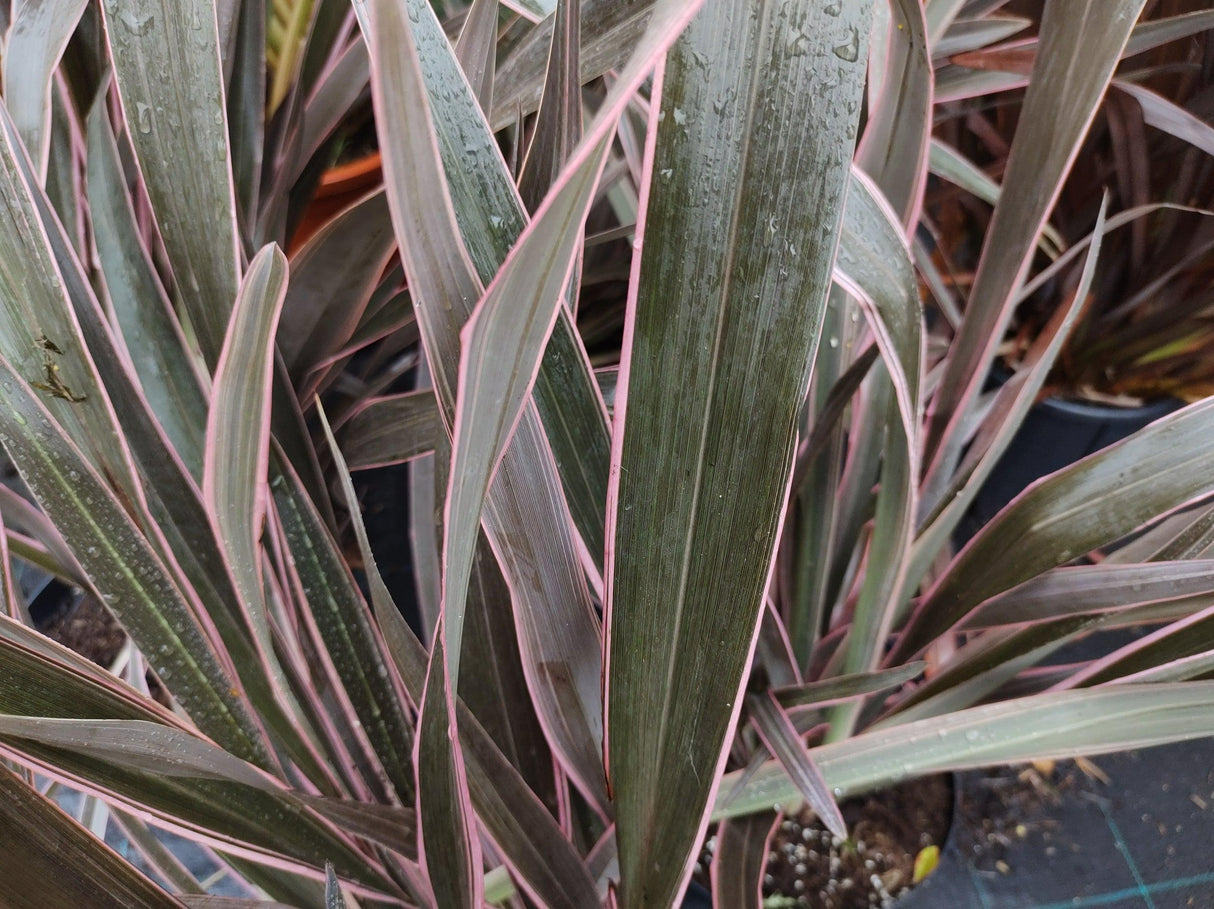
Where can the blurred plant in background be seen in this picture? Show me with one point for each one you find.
(1146, 332)
(639, 301)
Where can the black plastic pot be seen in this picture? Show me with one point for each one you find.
(1055, 434)
(697, 897)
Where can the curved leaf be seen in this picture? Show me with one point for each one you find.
(393, 429)
(50, 860)
(238, 432)
(1055, 725)
(1163, 114)
(123, 568)
(533, 845)
(782, 739)
(893, 150)
(1069, 513)
(36, 40)
(559, 122)
(333, 278)
(740, 861)
(874, 255)
(1094, 588)
(525, 516)
(1064, 92)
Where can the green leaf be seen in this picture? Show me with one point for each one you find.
(973, 34)
(345, 627)
(1069, 513)
(35, 308)
(188, 545)
(1092, 589)
(238, 432)
(1007, 413)
(1064, 93)
(1156, 32)
(35, 42)
(717, 366)
(894, 148)
(245, 78)
(502, 346)
(825, 691)
(152, 336)
(166, 64)
(610, 29)
(123, 568)
(987, 661)
(874, 258)
(558, 125)
(393, 429)
(286, 34)
(490, 218)
(1056, 725)
(547, 866)
(741, 861)
(138, 744)
(50, 860)
(781, 739)
(476, 49)
(452, 848)
(1163, 114)
(93, 740)
(949, 164)
(525, 517)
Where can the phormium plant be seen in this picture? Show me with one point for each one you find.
(687, 456)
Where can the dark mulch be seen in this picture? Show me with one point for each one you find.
(83, 625)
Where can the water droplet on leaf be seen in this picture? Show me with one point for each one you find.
(851, 50)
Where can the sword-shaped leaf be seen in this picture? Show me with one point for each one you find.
(781, 738)
(151, 334)
(238, 433)
(35, 42)
(345, 626)
(51, 860)
(876, 261)
(490, 217)
(1093, 589)
(1055, 725)
(740, 861)
(558, 125)
(166, 62)
(525, 517)
(1069, 513)
(1063, 95)
(531, 842)
(123, 568)
(393, 429)
(737, 210)
(333, 278)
